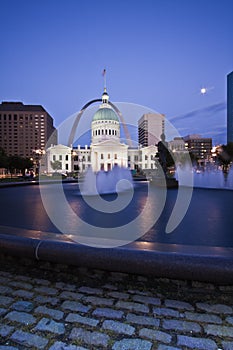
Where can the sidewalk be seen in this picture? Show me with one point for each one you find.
(59, 307)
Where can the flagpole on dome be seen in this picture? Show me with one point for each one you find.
(104, 75)
(105, 96)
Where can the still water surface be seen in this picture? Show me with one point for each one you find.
(208, 221)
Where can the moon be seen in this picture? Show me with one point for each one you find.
(203, 91)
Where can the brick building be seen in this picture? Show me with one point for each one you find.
(25, 129)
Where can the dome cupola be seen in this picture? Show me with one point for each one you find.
(105, 122)
(105, 113)
(105, 96)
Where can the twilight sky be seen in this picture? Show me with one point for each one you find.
(157, 53)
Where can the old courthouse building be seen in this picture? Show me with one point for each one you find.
(106, 148)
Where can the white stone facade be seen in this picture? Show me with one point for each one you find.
(59, 159)
(106, 148)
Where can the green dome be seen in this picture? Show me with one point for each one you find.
(105, 114)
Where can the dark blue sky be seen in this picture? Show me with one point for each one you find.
(158, 53)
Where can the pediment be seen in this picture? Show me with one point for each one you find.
(109, 143)
(150, 148)
(59, 147)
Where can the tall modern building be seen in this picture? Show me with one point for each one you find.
(230, 107)
(25, 129)
(150, 129)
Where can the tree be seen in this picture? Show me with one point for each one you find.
(19, 164)
(26, 163)
(3, 159)
(56, 165)
(225, 155)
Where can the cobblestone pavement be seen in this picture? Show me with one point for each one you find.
(58, 307)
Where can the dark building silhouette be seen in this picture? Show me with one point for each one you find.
(25, 128)
(230, 107)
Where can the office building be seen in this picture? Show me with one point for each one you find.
(150, 129)
(199, 147)
(230, 107)
(25, 129)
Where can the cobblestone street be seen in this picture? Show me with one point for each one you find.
(58, 307)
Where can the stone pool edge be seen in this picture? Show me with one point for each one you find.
(205, 265)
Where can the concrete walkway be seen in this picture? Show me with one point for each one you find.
(59, 307)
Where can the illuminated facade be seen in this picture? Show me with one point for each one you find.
(106, 149)
(199, 147)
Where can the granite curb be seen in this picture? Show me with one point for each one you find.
(208, 264)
